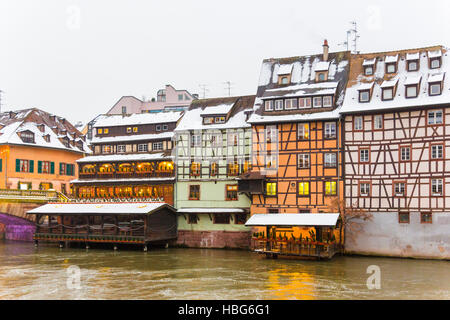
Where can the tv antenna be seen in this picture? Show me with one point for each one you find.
(228, 86)
(351, 44)
(205, 89)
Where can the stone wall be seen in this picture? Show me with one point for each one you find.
(385, 236)
(214, 239)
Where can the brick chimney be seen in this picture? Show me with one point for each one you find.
(325, 50)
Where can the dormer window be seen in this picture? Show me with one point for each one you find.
(283, 80)
(321, 76)
(291, 104)
(435, 63)
(412, 91)
(317, 102)
(208, 120)
(278, 105)
(27, 136)
(388, 93)
(391, 68)
(364, 95)
(41, 127)
(368, 70)
(284, 74)
(304, 103)
(46, 138)
(435, 89)
(413, 65)
(369, 66)
(219, 120)
(328, 101)
(268, 105)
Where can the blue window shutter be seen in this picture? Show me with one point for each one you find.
(39, 166)
(31, 166)
(17, 165)
(52, 167)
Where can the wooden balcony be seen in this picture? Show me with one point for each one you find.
(273, 248)
(126, 175)
(30, 195)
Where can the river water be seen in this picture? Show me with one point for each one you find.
(48, 272)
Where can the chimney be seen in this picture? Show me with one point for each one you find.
(325, 50)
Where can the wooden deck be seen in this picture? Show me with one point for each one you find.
(294, 249)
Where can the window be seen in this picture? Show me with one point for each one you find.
(221, 218)
(437, 151)
(317, 102)
(368, 70)
(291, 104)
(328, 101)
(321, 76)
(304, 103)
(214, 169)
(192, 218)
(231, 192)
(435, 63)
(124, 109)
(435, 117)
(233, 169)
(165, 127)
(121, 148)
(399, 189)
(268, 105)
(358, 123)
(62, 169)
(405, 153)
(364, 155)
(271, 134)
(158, 127)
(180, 97)
(330, 188)
(330, 160)
(24, 165)
(435, 89)
(208, 120)
(43, 166)
(219, 120)
(303, 189)
(413, 65)
(303, 161)
(391, 68)
(240, 218)
(426, 217)
(106, 131)
(196, 140)
(194, 192)
(106, 149)
(195, 168)
(364, 96)
(388, 94)
(403, 217)
(157, 146)
(436, 187)
(377, 122)
(216, 140)
(271, 189)
(330, 130)
(411, 91)
(135, 129)
(233, 139)
(278, 104)
(142, 147)
(27, 136)
(303, 131)
(271, 161)
(129, 130)
(364, 189)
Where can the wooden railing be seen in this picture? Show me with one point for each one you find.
(125, 175)
(29, 195)
(321, 250)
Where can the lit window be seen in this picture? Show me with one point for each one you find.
(214, 169)
(278, 104)
(291, 104)
(330, 188)
(233, 169)
(436, 187)
(304, 103)
(330, 160)
(142, 147)
(364, 96)
(328, 101)
(129, 130)
(303, 161)
(106, 149)
(399, 189)
(364, 155)
(378, 122)
(99, 131)
(411, 91)
(268, 105)
(271, 161)
(194, 192)
(405, 153)
(271, 189)
(231, 192)
(364, 189)
(195, 168)
(330, 130)
(135, 129)
(106, 131)
(435, 117)
(358, 123)
(303, 131)
(303, 188)
(388, 93)
(437, 151)
(208, 120)
(435, 89)
(271, 134)
(317, 102)
(219, 120)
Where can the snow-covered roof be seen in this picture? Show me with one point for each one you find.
(210, 210)
(41, 124)
(322, 66)
(125, 157)
(389, 83)
(137, 119)
(365, 86)
(193, 120)
(285, 69)
(369, 62)
(435, 54)
(124, 180)
(295, 117)
(133, 137)
(391, 59)
(413, 56)
(302, 90)
(219, 109)
(101, 208)
(423, 76)
(293, 219)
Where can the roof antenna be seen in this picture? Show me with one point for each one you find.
(1, 92)
(355, 36)
(205, 89)
(228, 86)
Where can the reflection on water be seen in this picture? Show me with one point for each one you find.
(42, 273)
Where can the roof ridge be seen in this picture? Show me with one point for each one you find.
(400, 50)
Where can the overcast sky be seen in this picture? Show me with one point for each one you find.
(76, 58)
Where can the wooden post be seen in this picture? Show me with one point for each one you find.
(129, 219)
(38, 217)
(63, 230)
(145, 226)
(267, 238)
(102, 223)
(88, 225)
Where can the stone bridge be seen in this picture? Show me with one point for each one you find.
(15, 223)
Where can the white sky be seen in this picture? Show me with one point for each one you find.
(76, 58)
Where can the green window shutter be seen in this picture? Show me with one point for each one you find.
(1, 165)
(31, 167)
(73, 170)
(67, 169)
(17, 165)
(39, 166)
(52, 167)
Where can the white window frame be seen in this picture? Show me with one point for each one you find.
(358, 125)
(301, 128)
(142, 147)
(306, 103)
(391, 65)
(433, 64)
(434, 113)
(405, 153)
(279, 105)
(289, 104)
(330, 160)
(362, 94)
(437, 187)
(408, 93)
(378, 119)
(158, 127)
(305, 159)
(364, 189)
(366, 69)
(315, 100)
(364, 155)
(121, 148)
(435, 85)
(196, 140)
(413, 63)
(268, 105)
(437, 151)
(330, 104)
(330, 130)
(156, 146)
(399, 188)
(386, 91)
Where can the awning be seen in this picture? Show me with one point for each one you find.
(100, 208)
(211, 210)
(293, 219)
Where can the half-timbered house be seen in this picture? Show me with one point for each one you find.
(213, 149)
(132, 158)
(297, 138)
(397, 145)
